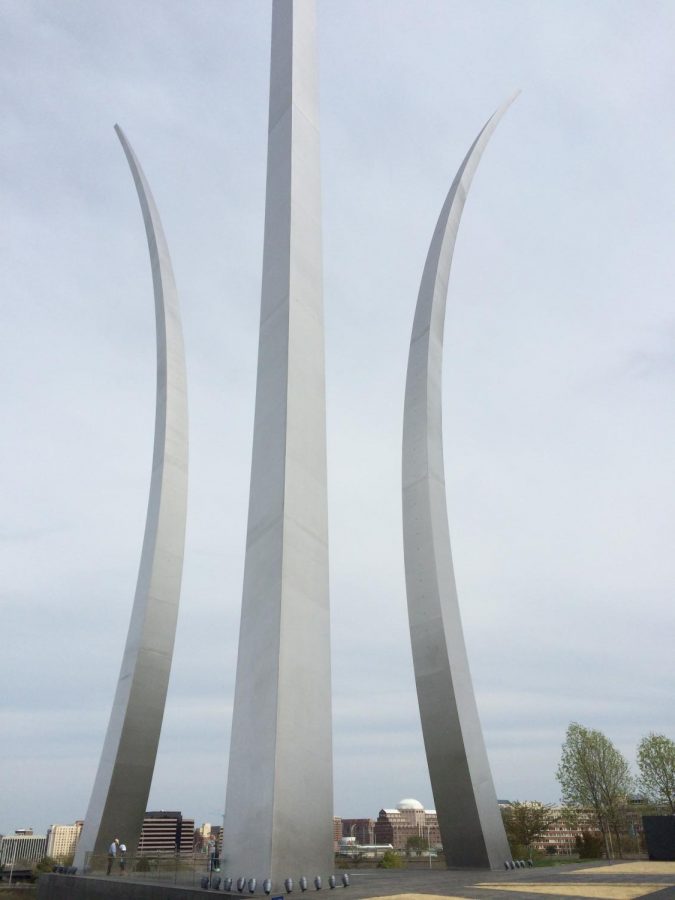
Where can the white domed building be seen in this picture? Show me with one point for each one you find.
(407, 805)
(409, 819)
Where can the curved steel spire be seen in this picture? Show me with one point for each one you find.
(122, 785)
(470, 822)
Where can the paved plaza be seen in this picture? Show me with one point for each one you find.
(617, 881)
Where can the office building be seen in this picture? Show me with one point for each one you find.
(62, 840)
(166, 833)
(22, 850)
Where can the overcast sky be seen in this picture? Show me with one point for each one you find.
(559, 419)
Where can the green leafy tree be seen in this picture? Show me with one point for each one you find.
(524, 823)
(656, 761)
(45, 865)
(594, 775)
(416, 844)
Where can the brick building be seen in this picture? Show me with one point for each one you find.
(337, 831)
(362, 830)
(561, 834)
(409, 819)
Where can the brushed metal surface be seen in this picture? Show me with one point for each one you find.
(469, 818)
(278, 811)
(122, 784)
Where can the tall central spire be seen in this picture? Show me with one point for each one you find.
(278, 815)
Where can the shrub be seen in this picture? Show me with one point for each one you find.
(589, 845)
(46, 864)
(390, 860)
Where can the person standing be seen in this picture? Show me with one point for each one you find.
(112, 853)
(122, 857)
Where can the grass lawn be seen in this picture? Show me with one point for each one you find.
(545, 862)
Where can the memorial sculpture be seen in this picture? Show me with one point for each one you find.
(122, 784)
(470, 822)
(278, 811)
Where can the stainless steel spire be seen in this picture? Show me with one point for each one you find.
(468, 815)
(278, 813)
(119, 797)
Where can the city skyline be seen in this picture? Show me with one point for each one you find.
(558, 379)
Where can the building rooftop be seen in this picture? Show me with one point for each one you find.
(409, 803)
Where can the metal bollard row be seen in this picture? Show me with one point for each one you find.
(242, 883)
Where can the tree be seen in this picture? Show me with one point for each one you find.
(416, 844)
(589, 846)
(45, 865)
(656, 761)
(525, 822)
(594, 775)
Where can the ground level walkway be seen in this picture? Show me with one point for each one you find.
(595, 881)
(616, 881)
